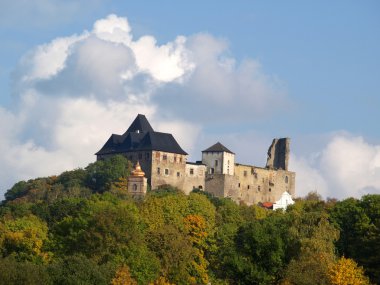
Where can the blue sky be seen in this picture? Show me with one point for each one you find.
(239, 72)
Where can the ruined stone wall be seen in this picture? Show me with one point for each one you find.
(168, 168)
(278, 154)
(257, 184)
(194, 177)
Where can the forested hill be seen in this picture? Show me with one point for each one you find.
(81, 227)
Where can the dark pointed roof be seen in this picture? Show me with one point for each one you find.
(140, 124)
(218, 147)
(140, 136)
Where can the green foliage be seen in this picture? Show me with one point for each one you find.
(23, 237)
(77, 269)
(18, 190)
(359, 225)
(175, 251)
(14, 272)
(99, 230)
(81, 227)
(101, 174)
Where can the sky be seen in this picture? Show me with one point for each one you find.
(238, 72)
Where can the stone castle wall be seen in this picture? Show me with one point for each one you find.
(258, 184)
(168, 168)
(194, 177)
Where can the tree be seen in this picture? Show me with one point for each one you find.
(78, 269)
(195, 227)
(260, 252)
(13, 272)
(316, 253)
(123, 277)
(346, 272)
(102, 173)
(102, 227)
(359, 225)
(175, 251)
(24, 237)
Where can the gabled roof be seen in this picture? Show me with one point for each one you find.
(140, 136)
(218, 147)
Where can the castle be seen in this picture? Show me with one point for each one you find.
(160, 161)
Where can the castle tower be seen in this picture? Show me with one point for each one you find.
(278, 154)
(219, 160)
(137, 183)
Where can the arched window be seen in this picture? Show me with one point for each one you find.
(134, 187)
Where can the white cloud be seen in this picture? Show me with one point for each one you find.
(308, 178)
(165, 63)
(48, 59)
(347, 166)
(351, 165)
(73, 92)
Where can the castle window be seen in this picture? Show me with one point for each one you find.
(286, 179)
(180, 159)
(245, 173)
(166, 171)
(258, 188)
(239, 185)
(147, 156)
(157, 154)
(158, 170)
(248, 186)
(175, 159)
(270, 189)
(200, 187)
(191, 171)
(212, 170)
(178, 174)
(165, 157)
(134, 187)
(216, 163)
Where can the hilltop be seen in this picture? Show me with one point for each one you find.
(82, 227)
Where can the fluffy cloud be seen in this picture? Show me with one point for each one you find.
(347, 166)
(220, 88)
(73, 92)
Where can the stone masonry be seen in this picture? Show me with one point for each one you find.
(164, 162)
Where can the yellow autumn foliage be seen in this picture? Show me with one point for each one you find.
(123, 277)
(346, 272)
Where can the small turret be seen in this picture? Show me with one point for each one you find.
(137, 183)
